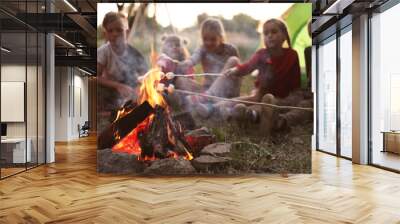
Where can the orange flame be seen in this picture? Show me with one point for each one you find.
(148, 92)
(130, 143)
(121, 113)
(148, 89)
(153, 57)
(188, 156)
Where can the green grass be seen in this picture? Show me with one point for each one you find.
(254, 152)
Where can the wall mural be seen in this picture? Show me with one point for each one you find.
(187, 89)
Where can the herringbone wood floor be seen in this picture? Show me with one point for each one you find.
(70, 191)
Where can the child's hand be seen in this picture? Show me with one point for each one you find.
(230, 72)
(162, 63)
(164, 57)
(141, 78)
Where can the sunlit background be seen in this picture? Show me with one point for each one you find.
(183, 15)
(241, 22)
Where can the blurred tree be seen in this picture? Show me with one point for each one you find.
(120, 6)
(246, 24)
(240, 23)
(201, 18)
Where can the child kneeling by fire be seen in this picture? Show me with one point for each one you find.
(278, 83)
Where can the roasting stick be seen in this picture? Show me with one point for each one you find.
(171, 89)
(243, 101)
(194, 75)
(171, 75)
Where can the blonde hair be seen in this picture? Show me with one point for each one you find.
(282, 27)
(111, 17)
(213, 25)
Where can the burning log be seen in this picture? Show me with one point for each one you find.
(149, 130)
(164, 137)
(158, 136)
(176, 129)
(156, 140)
(124, 125)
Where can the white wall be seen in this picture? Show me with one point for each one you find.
(71, 94)
(33, 127)
(81, 103)
(61, 103)
(16, 73)
(12, 73)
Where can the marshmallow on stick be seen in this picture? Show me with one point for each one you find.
(170, 75)
(170, 88)
(161, 87)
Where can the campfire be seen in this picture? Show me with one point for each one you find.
(155, 134)
(148, 137)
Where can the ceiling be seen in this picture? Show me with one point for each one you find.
(330, 15)
(74, 22)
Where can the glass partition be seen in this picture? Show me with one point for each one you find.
(346, 92)
(22, 89)
(327, 96)
(15, 150)
(385, 89)
(41, 96)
